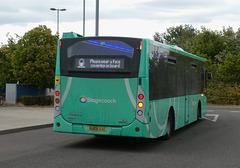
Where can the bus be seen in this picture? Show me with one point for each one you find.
(120, 86)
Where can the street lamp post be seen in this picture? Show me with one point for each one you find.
(83, 17)
(97, 16)
(56, 9)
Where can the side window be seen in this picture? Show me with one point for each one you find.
(151, 72)
(172, 76)
(158, 87)
(196, 77)
(180, 75)
(172, 60)
(193, 65)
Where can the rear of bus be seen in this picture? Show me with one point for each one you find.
(101, 86)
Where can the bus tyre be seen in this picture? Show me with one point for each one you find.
(169, 126)
(199, 112)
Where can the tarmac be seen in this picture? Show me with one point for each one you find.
(16, 119)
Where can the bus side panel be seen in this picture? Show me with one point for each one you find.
(159, 115)
(159, 112)
(193, 106)
(180, 112)
(204, 105)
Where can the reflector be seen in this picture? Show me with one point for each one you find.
(57, 108)
(137, 129)
(140, 112)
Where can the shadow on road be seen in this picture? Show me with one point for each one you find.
(133, 144)
(118, 143)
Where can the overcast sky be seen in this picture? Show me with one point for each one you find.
(133, 18)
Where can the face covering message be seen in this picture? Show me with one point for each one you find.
(100, 63)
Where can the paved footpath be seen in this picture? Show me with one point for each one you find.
(14, 119)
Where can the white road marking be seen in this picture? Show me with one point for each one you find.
(235, 111)
(215, 117)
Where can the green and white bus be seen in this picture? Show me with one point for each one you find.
(126, 87)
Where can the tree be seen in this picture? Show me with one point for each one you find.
(6, 69)
(208, 43)
(231, 43)
(229, 72)
(222, 51)
(181, 36)
(34, 58)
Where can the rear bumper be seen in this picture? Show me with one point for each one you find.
(129, 130)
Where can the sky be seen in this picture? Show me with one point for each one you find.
(130, 18)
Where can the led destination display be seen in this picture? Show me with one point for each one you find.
(99, 63)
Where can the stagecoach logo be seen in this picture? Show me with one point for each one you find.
(83, 100)
(81, 63)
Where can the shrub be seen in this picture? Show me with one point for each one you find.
(36, 100)
(3, 94)
(221, 93)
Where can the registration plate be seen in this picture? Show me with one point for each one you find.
(99, 129)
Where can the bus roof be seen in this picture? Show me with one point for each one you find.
(176, 49)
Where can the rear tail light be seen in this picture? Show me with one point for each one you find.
(140, 105)
(140, 96)
(57, 93)
(57, 101)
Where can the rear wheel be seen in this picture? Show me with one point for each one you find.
(170, 126)
(199, 111)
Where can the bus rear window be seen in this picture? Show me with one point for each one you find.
(100, 48)
(89, 55)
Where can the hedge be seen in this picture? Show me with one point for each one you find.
(36, 100)
(218, 93)
(224, 94)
